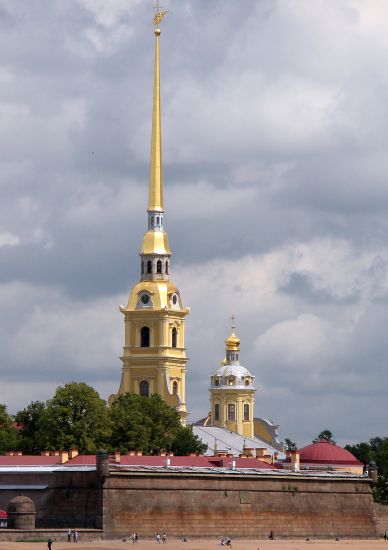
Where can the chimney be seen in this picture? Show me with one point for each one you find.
(138, 453)
(64, 457)
(131, 453)
(295, 461)
(102, 464)
(55, 453)
(372, 471)
(242, 455)
(73, 453)
(163, 453)
(248, 451)
(45, 453)
(117, 457)
(260, 452)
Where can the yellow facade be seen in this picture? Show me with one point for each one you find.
(232, 393)
(154, 357)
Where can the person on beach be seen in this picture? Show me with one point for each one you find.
(75, 535)
(164, 538)
(158, 538)
(69, 535)
(49, 544)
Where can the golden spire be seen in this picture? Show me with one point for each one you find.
(233, 341)
(155, 202)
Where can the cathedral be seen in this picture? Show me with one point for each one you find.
(154, 357)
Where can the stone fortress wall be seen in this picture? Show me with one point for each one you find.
(239, 506)
(197, 503)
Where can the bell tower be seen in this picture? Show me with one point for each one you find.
(154, 358)
(232, 392)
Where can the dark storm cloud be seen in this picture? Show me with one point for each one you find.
(275, 165)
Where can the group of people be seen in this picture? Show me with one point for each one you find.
(134, 537)
(69, 533)
(74, 533)
(162, 538)
(226, 541)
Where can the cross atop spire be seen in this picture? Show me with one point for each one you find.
(159, 14)
(233, 318)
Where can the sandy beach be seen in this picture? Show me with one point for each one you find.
(205, 545)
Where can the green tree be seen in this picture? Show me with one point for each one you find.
(375, 451)
(76, 417)
(144, 423)
(290, 445)
(150, 425)
(185, 442)
(9, 437)
(33, 438)
(325, 435)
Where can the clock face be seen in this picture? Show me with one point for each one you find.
(175, 299)
(145, 299)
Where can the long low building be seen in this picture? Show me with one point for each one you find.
(194, 496)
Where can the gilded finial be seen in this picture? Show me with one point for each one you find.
(158, 16)
(233, 341)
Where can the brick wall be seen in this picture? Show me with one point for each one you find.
(248, 507)
(381, 512)
(70, 499)
(200, 505)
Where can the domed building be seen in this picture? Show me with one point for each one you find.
(232, 392)
(231, 425)
(324, 455)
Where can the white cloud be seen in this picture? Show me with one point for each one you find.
(8, 239)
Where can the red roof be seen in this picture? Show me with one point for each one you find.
(141, 460)
(324, 452)
(191, 461)
(3, 514)
(28, 460)
(82, 460)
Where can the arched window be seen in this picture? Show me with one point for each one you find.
(246, 411)
(236, 356)
(142, 267)
(231, 411)
(217, 411)
(157, 220)
(175, 387)
(152, 221)
(217, 381)
(174, 337)
(144, 388)
(149, 266)
(159, 266)
(145, 337)
(167, 268)
(247, 382)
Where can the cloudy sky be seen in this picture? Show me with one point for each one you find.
(275, 136)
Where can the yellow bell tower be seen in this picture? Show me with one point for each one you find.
(154, 358)
(232, 392)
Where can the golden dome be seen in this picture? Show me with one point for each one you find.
(155, 242)
(233, 342)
